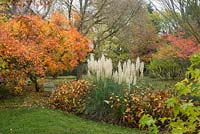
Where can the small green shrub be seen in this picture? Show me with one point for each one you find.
(169, 68)
(70, 96)
(147, 120)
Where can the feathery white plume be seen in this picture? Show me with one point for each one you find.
(103, 68)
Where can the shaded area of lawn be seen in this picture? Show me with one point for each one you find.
(26, 100)
(157, 83)
(46, 121)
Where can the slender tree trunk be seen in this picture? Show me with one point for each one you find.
(34, 80)
(79, 71)
(37, 88)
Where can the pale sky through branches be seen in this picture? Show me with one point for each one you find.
(156, 4)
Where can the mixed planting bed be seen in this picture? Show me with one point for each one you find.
(160, 109)
(144, 105)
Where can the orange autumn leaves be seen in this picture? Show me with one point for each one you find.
(35, 46)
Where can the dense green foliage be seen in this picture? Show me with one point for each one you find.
(169, 68)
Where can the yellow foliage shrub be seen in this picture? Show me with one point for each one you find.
(70, 96)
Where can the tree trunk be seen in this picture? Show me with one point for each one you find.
(79, 71)
(34, 80)
(37, 88)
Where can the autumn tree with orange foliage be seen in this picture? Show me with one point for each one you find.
(33, 47)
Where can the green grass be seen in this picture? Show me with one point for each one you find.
(18, 117)
(157, 83)
(46, 121)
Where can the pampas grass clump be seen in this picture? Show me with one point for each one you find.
(128, 72)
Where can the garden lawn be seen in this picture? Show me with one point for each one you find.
(157, 83)
(46, 121)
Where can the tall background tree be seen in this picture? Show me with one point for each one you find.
(102, 21)
(146, 28)
(26, 7)
(185, 12)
